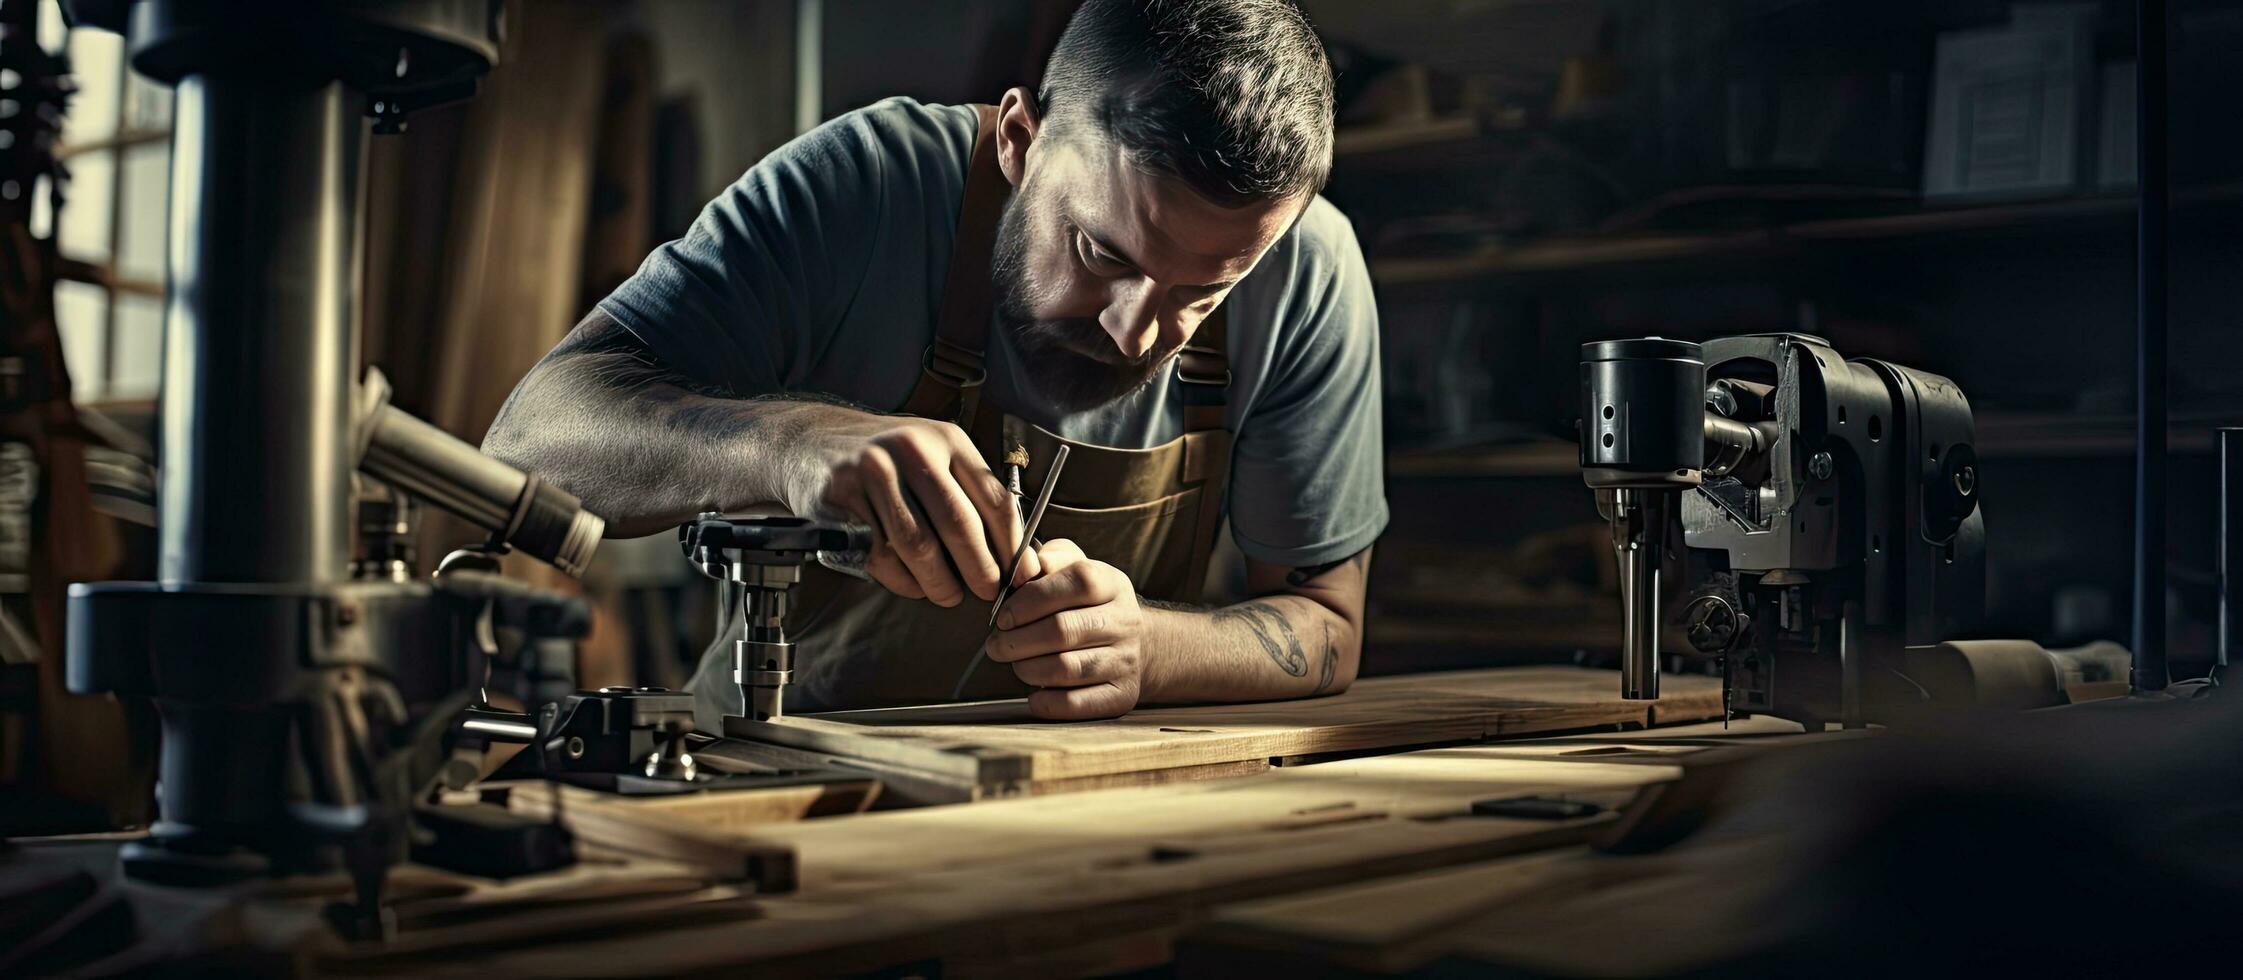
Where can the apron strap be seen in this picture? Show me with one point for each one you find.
(1204, 371)
(951, 372)
(1203, 374)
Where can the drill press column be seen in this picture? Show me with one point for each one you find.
(1642, 441)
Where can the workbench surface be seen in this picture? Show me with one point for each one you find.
(1055, 883)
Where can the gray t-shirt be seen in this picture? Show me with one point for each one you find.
(821, 270)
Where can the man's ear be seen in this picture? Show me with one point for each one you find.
(1018, 120)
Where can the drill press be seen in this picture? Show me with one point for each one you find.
(1827, 512)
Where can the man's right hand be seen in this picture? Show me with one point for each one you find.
(942, 523)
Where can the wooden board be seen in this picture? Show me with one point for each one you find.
(998, 749)
(1093, 881)
(699, 829)
(902, 787)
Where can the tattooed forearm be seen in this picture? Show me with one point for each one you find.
(1265, 623)
(642, 443)
(1331, 662)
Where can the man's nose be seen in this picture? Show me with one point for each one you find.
(1132, 317)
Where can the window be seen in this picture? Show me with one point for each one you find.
(116, 147)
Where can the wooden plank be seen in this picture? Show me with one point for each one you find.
(703, 830)
(902, 787)
(999, 748)
(1098, 880)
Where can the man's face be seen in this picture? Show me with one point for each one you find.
(1104, 271)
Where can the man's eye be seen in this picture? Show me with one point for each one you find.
(1097, 262)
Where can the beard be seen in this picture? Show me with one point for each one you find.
(1071, 363)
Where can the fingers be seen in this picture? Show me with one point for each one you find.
(1076, 668)
(1078, 703)
(1069, 581)
(845, 499)
(1031, 566)
(903, 529)
(994, 504)
(882, 565)
(1068, 629)
(944, 525)
(955, 522)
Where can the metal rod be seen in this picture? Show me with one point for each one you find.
(2231, 542)
(1638, 532)
(2149, 365)
(499, 726)
(1849, 666)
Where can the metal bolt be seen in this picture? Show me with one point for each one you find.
(1966, 480)
(576, 747)
(346, 613)
(1819, 466)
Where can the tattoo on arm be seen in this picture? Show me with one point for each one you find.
(1331, 662)
(1304, 575)
(1266, 622)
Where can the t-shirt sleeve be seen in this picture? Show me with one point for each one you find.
(767, 266)
(1308, 471)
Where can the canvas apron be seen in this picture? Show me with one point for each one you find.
(1153, 513)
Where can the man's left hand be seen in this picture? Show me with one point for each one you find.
(1076, 633)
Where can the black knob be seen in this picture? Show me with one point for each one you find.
(1950, 492)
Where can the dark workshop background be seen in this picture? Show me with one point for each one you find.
(1524, 175)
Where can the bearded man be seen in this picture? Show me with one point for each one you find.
(1132, 261)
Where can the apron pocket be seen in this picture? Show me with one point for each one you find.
(1151, 541)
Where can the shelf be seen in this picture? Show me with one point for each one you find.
(1516, 460)
(1419, 146)
(1355, 141)
(1586, 252)
(2000, 436)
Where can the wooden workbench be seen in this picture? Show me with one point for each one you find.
(1057, 877)
(1063, 878)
